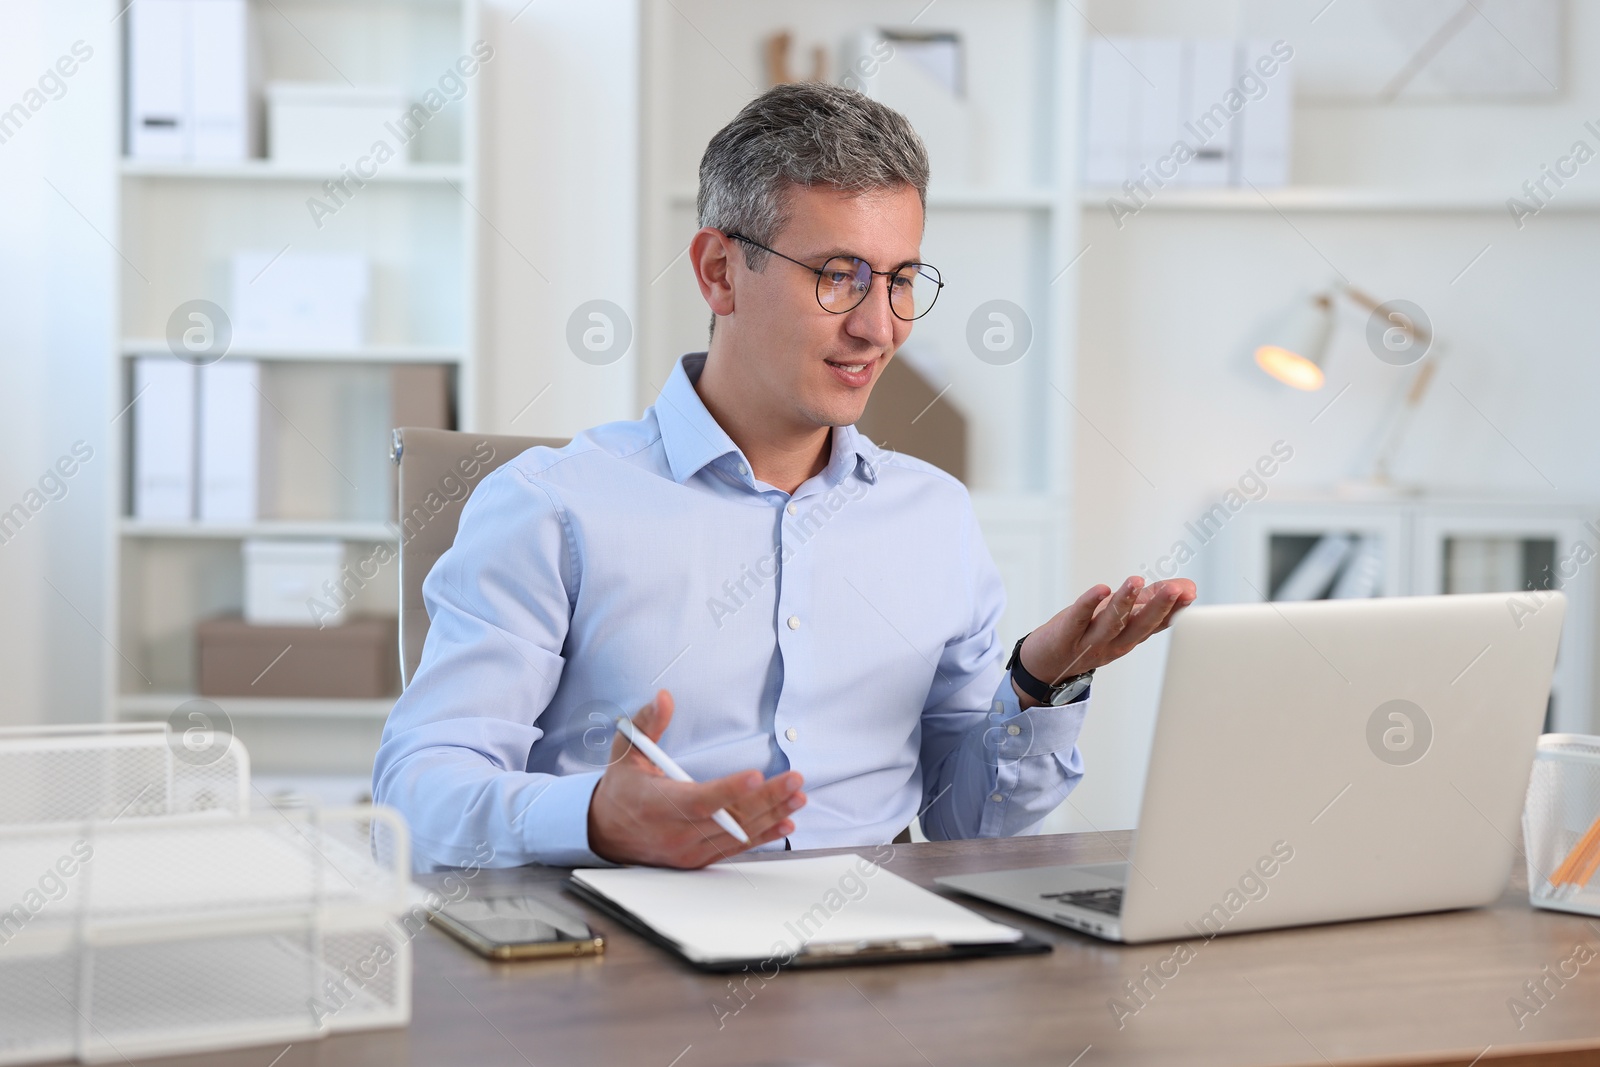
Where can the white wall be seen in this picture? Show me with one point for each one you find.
(1170, 299)
(559, 151)
(55, 324)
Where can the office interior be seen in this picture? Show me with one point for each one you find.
(1339, 346)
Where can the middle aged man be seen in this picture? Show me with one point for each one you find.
(819, 612)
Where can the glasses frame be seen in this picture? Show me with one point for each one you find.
(937, 278)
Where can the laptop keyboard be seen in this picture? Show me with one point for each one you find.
(1108, 901)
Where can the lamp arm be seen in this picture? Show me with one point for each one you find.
(1402, 422)
(1362, 298)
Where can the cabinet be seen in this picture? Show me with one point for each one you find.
(1434, 545)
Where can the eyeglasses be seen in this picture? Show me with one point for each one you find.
(844, 281)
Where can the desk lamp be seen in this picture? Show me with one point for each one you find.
(1297, 349)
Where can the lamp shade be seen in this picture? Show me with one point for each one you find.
(1294, 351)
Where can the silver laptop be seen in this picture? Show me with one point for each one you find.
(1321, 761)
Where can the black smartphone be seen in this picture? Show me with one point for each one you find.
(516, 928)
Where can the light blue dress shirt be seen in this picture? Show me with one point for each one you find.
(846, 632)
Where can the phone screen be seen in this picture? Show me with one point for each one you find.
(508, 927)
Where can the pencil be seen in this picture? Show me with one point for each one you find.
(1582, 857)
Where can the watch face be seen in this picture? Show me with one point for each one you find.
(1069, 692)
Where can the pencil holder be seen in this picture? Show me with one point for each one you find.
(1561, 824)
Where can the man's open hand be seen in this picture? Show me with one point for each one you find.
(1102, 626)
(639, 815)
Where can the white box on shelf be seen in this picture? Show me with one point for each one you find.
(326, 124)
(282, 578)
(300, 300)
(163, 439)
(230, 442)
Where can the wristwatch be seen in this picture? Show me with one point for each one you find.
(1066, 692)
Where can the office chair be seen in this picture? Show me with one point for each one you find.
(438, 471)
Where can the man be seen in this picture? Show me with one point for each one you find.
(819, 614)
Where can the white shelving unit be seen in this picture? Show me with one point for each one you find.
(1010, 238)
(417, 224)
(1311, 198)
(385, 354)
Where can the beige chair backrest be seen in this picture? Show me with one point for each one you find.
(438, 471)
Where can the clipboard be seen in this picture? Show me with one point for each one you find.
(721, 920)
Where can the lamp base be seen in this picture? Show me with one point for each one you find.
(1374, 489)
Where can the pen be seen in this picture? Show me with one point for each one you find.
(670, 768)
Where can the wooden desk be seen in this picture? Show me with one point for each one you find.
(1425, 990)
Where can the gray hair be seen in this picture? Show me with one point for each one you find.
(803, 134)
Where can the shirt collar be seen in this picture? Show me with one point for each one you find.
(692, 438)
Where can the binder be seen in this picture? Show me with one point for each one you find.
(230, 441)
(1109, 124)
(1314, 574)
(189, 80)
(806, 912)
(221, 126)
(1210, 131)
(158, 79)
(163, 439)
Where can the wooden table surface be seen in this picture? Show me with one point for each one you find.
(1431, 989)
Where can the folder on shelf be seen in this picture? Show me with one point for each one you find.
(1363, 575)
(794, 913)
(158, 89)
(1109, 123)
(1158, 101)
(189, 80)
(163, 439)
(1210, 132)
(1263, 140)
(223, 112)
(230, 442)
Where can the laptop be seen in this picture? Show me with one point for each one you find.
(1320, 761)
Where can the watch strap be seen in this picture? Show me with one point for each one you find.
(1039, 690)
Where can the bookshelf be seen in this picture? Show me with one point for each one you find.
(1336, 199)
(1009, 232)
(326, 474)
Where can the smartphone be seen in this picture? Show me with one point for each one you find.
(517, 928)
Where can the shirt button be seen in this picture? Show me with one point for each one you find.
(792, 734)
(743, 469)
(1013, 729)
(792, 508)
(794, 622)
(996, 797)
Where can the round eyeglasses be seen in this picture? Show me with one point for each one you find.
(844, 281)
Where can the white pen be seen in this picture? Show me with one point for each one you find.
(670, 768)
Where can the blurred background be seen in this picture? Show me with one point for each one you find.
(1291, 298)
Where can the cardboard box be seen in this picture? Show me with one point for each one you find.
(356, 661)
